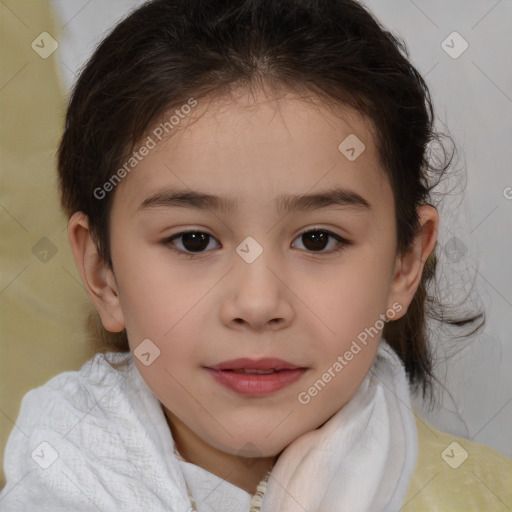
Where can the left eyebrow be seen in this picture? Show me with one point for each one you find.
(175, 198)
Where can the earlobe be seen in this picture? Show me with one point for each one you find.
(98, 279)
(409, 267)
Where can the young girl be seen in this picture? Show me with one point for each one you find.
(248, 191)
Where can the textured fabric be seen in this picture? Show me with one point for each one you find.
(362, 459)
(445, 480)
(100, 436)
(92, 440)
(213, 494)
(98, 439)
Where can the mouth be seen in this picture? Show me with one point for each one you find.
(256, 377)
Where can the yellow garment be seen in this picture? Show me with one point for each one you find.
(444, 480)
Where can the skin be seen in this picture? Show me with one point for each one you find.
(292, 302)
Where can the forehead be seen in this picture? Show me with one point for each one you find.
(253, 147)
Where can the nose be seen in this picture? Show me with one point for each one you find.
(258, 298)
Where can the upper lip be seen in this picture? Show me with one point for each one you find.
(267, 363)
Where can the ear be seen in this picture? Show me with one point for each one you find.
(409, 267)
(98, 279)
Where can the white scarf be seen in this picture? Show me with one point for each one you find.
(118, 450)
(361, 459)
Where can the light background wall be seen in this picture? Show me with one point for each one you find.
(473, 98)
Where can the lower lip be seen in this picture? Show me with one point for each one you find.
(256, 384)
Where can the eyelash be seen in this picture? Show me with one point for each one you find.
(342, 242)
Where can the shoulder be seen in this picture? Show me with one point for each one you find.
(68, 395)
(68, 401)
(95, 434)
(56, 421)
(455, 474)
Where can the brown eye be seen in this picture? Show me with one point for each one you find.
(316, 240)
(191, 241)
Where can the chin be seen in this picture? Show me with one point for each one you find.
(245, 445)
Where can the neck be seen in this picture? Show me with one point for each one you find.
(244, 472)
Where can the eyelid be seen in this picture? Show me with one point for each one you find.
(326, 230)
(342, 242)
(169, 239)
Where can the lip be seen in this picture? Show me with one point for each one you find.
(254, 384)
(267, 363)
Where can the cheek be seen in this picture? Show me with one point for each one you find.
(154, 295)
(165, 305)
(352, 299)
(335, 383)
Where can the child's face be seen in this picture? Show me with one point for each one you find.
(291, 302)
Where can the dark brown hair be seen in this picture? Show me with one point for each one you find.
(169, 51)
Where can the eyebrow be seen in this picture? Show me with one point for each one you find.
(338, 197)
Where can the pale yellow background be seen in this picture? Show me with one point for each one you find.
(43, 306)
